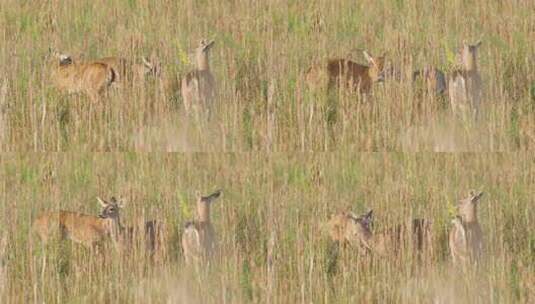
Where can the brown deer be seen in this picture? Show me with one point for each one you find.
(346, 228)
(434, 79)
(465, 84)
(466, 236)
(91, 78)
(347, 74)
(130, 71)
(199, 237)
(416, 235)
(198, 86)
(87, 230)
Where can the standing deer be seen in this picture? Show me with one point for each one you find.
(87, 230)
(347, 228)
(91, 78)
(465, 85)
(198, 86)
(199, 237)
(466, 236)
(347, 74)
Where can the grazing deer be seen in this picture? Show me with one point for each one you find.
(433, 78)
(199, 238)
(91, 78)
(348, 74)
(87, 230)
(395, 239)
(198, 86)
(128, 71)
(347, 228)
(466, 236)
(465, 84)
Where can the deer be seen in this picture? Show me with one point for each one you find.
(88, 230)
(198, 87)
(466, 236)
(199, 237)
(392, 241)
(130, 71)
(346, 228)
(347, 74)
(434, 79)
(90, 78)
(149, 232)
(465, 84)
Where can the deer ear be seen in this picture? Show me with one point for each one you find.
(478, 43)
(368, 57)
(102, 202)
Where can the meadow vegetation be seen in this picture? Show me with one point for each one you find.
(278, 188)
(263, 45)
(270, 224)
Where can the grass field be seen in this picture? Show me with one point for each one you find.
(265, 147)
(270, 222)
(257, 45)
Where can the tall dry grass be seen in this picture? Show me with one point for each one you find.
(258, 44)
(269, 223)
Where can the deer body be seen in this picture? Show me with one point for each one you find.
(84, 229)
(466, 235)
(394, 240)
(199, 237)
(347, 74)
(91, 78)
(433, 78)
(465, 84)
(198, 86)
(346, 228)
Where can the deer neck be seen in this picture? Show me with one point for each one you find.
(202, 61)
(203, 212)
(469, 215)
(470, 64)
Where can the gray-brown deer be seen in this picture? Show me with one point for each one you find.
(465, 84)
(87, 230)
(336, 73)
(466, 236)
(199, 237)
(198, 87)
(91, 78)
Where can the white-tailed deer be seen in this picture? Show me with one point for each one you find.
(347, 74)
(348, 228)
(465, 85)
(466, 236)
(91, 78)
(198, 86)
(88, 230)
(130, 71)
(199, 237)
(433, 78)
